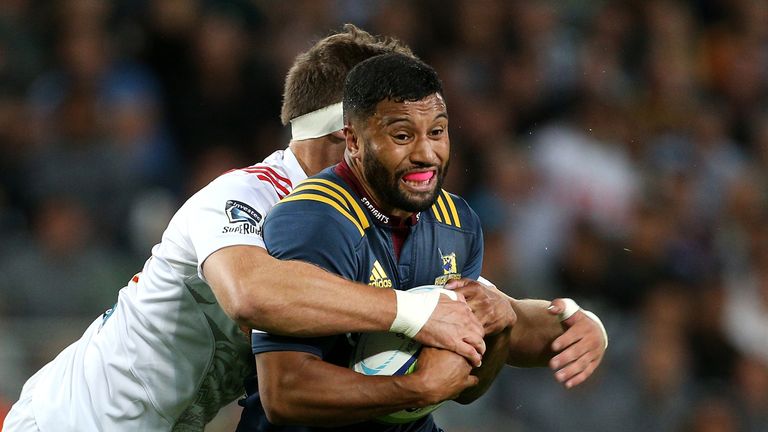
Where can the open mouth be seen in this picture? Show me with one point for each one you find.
(420, 180)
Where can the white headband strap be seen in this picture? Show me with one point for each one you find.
(318, 123)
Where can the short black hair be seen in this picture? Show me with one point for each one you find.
(390, 76)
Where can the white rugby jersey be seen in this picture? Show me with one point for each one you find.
(167, 357)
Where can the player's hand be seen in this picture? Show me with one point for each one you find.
(579, 349)
(489, 305)
(442, 375)
(453, 326)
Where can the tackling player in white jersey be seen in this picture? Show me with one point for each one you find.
(171, 353)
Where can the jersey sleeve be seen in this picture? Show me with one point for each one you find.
(314, 232)
(317, 233)
(229, 211)
(262, 342)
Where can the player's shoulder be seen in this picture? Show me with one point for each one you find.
(452, 210)
(324, 197)
(257, 186)
(271, 175)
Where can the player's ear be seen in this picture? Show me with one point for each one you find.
(352, 142)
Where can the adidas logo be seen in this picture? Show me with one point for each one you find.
(379, 277)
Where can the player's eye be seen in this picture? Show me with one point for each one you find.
(401, 136)
(437, 132)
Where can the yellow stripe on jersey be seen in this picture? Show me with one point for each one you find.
(445, 211)
(455, 214)
(441, 204)
(326, 200)
(304, 187)
(358, 211)
(436, 212)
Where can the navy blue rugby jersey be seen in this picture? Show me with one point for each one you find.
(330, 221)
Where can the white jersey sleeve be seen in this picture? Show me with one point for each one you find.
(166, 356)
(230, 210)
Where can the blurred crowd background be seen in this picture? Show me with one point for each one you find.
(616, 151)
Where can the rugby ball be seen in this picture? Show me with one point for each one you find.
(392, 354)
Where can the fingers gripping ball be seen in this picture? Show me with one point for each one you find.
(387, 354)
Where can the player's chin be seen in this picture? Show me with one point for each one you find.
(420, 201)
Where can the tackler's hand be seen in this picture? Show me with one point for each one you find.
(453, 326)
(580, 349)
(489, 305)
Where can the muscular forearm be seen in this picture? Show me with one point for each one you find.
(298, 299)
(304, 390)
(292, 297)
(494, 359)
(531, 337)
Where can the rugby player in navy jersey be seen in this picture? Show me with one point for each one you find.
(170, 352)
(381, 217)
(197, 359)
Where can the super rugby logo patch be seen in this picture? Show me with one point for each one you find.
(241, 212)
(248, 220)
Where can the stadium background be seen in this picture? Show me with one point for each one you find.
(616, 151)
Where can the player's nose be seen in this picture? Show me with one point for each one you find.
(424, 151)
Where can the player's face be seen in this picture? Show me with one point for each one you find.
(405, 152)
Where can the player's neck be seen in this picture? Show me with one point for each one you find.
(315, 155)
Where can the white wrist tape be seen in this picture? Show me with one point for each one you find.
(485, 281)
(318, 123)
(571, 308)
(414, 310)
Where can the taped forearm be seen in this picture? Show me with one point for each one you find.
(414, 310)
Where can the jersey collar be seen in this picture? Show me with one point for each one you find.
(345, 172)
(292, 167)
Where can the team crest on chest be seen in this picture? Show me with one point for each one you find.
(450, 269)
